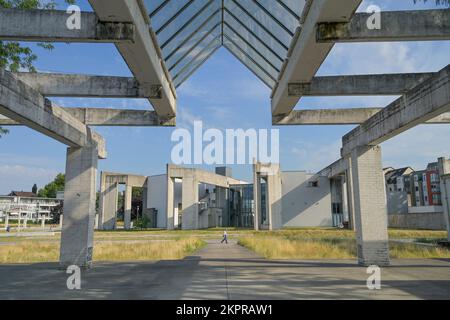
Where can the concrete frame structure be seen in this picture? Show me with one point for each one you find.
(271, 174)
(190, 197)
(126, 23)
(109, 197)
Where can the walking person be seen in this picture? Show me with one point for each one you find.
(225, 237)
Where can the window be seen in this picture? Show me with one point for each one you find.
(313, 184)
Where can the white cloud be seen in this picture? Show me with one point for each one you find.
(21, 177)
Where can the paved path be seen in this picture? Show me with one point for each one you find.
(229, 272)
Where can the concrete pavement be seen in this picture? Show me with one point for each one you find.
(229, 272)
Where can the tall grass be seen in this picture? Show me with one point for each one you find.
(279, 247)
(40, 251)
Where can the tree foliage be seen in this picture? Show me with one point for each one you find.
(50, 190)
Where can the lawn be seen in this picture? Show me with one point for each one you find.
(48, 251)
(315, 243)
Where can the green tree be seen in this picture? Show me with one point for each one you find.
(15, 56)
(50, 190)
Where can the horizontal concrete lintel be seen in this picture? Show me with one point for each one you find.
(202, 176)
(419, 25)
(22, 103)
(52, 26)
(341, 116)
(422, 103)
(110, 118)
(335, 169)
(142, 56)
(77, 85)
(348, 85)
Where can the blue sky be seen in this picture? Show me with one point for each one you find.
(224, 94)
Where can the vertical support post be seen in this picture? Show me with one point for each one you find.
(43, 221)
(257, 196)
(444, 174)
(370, 207)
(344, 195)
(170, 200)
(189, 201)
(350, 195)
(108, 203)
(6, 220)
(127, 207)
(79, 207)
(61, 218)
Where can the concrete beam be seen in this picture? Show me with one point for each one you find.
(22, 103)
(422, 103)
(202, 176)
(346, 116)
(358, 85)
(335, 169)
(51, 26)
(76, 85)
(109, 118)
(307, 55)
(418, 25)
(143, 56)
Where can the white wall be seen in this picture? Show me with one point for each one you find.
(302, 205)
(157, 197)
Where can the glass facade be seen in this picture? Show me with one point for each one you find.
(257, 32)
(242, 207)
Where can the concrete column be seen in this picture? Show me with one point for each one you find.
(6, 221)
(344, 198)
(350, 195)
(444, 173)
(61, 218)
(43, 222)
(108, 204)
(170, 200)
(127, 207)
(370, 207)
(189, 201)
(79, 207)
(257, 198)
(273, 200)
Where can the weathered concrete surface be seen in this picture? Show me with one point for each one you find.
(347, 116)
(271, 173)
(20, 102)
(422, 103)
(79, 85)
(51, 26)
(229, 272)
(306, 54)
(109, 195)
(77, 234)
(370, 206)
(408, 25)
(110, 118)
(143, 56)
(359, 85)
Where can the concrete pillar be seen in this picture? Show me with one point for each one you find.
(444, 173)
(43, 222)
(370, 207)
(127, 207)
(6, 221)
(344, 202)
(61, 218)
(350, 195)
(189, 199)
(108, 204)
(273, 200)
(257, 198)
(79, 207)
(170, 206)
